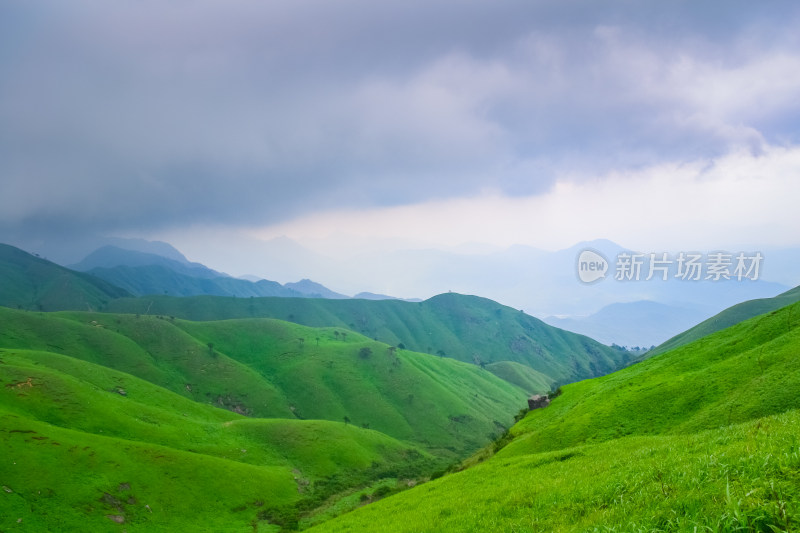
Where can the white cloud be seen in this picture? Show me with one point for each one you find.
(739, 199)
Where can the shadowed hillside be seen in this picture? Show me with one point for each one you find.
(30, 282)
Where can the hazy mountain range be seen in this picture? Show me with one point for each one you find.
(330, 405)
(541, 283)
(143, 273)
(642, 324)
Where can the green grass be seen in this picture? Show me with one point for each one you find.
(738, 478)
(55, 403)
(151, 349)
(467, 328)
(30, 282)
(439, 403)
(522, 376)
(58, 479)
(729, 317)
(82, 396)
(260, 367)
(701, 438)
(749, 370)
(105, 401)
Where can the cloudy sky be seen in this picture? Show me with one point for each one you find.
(356, 124)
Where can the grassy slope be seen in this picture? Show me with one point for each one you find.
(437, 402)
(703, 436)
(47, 398)
(151, 349)
(749, 370)
(739, 478)
(65, 480)
(467, 328)
(30, 282)
(729, 317)
(259, 367)
(520, 375)
(74, 394)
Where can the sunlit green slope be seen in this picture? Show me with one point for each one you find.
(468, 328)
(74, 432)
(749, 370)
(701, 438)
(737, 478)
(728, 317)
(269, 368)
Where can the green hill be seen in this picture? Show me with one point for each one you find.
(468, 328)
(161, 279)
(269, 368)
(142, 273)
(107, 257)
(74, 394)
(104, 414)
(29, 282)
(77, 432)
(729, 317)
(701, 438)
(743, 372)
(520, 375)
(57, 479)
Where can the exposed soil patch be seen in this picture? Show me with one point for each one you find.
(21, 384)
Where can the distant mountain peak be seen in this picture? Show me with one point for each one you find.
(373, 296)
(161, 248)
(111, 256)
(312, 288)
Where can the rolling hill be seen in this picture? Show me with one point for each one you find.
(269, 368)
(700, 438)
(142, 273)
(88, 447)
(30, 282)
(105, 414)
(728, 317)
(467, 328)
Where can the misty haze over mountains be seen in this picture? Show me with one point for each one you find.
(543, 284)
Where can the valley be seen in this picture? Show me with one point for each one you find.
(399, 267)
(158, 413)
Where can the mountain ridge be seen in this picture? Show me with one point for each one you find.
(701, 437)
(467, 328)
(30, 282)
(729, 317)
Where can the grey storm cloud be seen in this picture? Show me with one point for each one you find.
(123, 115)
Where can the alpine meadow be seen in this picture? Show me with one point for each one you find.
(527, 266)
